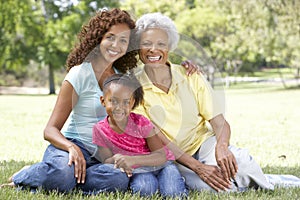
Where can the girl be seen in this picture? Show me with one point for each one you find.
(129, 141)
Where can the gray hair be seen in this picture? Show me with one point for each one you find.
(158, 20)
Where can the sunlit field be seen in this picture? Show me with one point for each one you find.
(263, 119)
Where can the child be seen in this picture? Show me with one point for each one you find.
(129, 141)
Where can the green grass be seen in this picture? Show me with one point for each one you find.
(276, 72)
(267, 73)
(263, 119)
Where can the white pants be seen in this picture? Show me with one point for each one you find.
(249, 173)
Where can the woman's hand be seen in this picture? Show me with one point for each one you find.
(76, 157)
(125, 163)
(226, 161)
(213, 176)
(191, 68)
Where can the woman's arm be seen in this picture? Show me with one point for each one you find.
(212, 175)
(66, 99)
(62, 109)
(191, 68)
(225, 159)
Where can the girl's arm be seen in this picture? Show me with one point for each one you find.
(158, 154)
(104, 155)
(155, 158)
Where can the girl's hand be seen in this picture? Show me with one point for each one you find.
(76, 157)
(125, 163)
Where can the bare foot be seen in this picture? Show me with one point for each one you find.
(11, 185)
(10, 178)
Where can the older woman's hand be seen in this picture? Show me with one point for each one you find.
(76, 157)
(191, 68)
(226, 161)
(213, 176)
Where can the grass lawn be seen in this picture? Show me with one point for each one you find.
(263, 119)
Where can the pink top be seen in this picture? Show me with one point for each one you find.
(131, 142)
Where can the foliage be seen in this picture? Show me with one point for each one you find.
(231, 35)
(42, 32)
(14, 37)
(168, 7)
(245, 34)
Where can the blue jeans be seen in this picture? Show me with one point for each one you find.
(165, 179)
(54, 173)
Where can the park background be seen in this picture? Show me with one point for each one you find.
(250, 49)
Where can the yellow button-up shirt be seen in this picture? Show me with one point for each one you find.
(183, 112)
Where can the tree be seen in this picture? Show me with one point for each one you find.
(14, 35)
(250, 32)
(62, 21)
(42, 31)
(169, 8)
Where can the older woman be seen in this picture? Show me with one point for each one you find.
(180, 105)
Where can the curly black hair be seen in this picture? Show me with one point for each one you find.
(91, 35)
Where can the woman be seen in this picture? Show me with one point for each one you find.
(68, 160)
(180, 105)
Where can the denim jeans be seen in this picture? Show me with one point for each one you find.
(165, 179)
(54, 173)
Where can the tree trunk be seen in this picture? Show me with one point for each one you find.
(51, 80)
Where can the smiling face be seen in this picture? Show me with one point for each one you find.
(118, 102)
(115, 42)
(154, 46)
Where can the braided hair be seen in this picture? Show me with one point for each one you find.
(128, 80)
